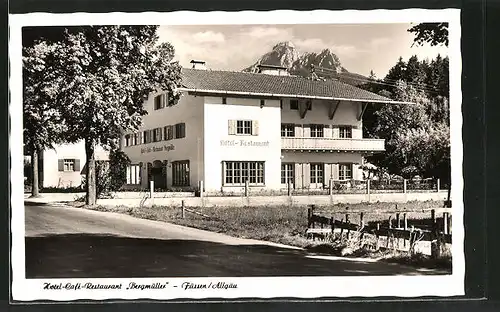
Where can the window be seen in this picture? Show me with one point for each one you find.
(294, 104)
(169, 133)
(317, 173)
(127, 140)
(345, 132)
(180, 173)
(287, 173)
(134, 139)
(316, 131)
(262, 103)
(68, 165)
(160, 101)
(224, 100)
(287, 130)
(133, 174)
(345, 171)
(237, 172)
(157, 135)
(244, 127)
(180, 130)
(146, 136)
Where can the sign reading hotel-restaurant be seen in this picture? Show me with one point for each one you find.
(164, 148)
(244, 143)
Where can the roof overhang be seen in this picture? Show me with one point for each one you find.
(205, 91)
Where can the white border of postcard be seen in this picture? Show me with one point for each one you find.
(255, 287)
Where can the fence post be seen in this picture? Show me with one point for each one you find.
(435, 239)
(438, 183)
(289, 185)
(246, 188)
(405, 222)
(151, 191)
(445, 222)
(309, 214)
(202, 188)
(332, 223)
(361, 221)
(377, 235)
(404, 186)
(449, 223)
(368, 186)
(330, 187)
(183, 209)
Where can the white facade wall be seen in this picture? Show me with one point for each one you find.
(216, 119)
(53, 177)
(188, 110)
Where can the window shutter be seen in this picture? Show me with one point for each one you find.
(328, 173)
(60, 164)
(335, 170)
(231, 127)
(298, 176)
(307, 175)
(77, 165)
(164, 102)
(160, 134)
(183, 130)
(255, 127)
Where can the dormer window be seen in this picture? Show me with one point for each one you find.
(224, 100)
(294, 104)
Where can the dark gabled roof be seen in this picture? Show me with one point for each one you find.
(213, 81)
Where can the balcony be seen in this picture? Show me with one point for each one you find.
(333, 144)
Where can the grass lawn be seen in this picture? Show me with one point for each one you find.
(287, 225)
(279, 224)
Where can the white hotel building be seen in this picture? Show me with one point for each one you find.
(267, 128)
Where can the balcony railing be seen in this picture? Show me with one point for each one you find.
(332, 144)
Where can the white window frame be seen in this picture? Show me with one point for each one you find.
(287, 130)
(69, 165)
(287, 173)
(235, 173)
(344, 169)
(242, 126)
(133, 174)
(317, 173)
(345, 132)
(317, 131)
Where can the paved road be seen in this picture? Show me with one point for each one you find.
(72, 242)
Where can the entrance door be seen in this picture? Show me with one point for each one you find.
(158, 175)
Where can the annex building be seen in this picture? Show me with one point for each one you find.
(268, 128)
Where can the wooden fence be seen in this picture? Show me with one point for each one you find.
(396, 227)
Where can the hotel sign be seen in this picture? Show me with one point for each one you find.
(164, 148)
(244, 143)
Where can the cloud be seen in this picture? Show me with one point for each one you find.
(378, 42)
(265, 32)
(208, 37)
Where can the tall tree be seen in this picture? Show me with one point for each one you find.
(109, 71)
(432, 33)
(43, 124)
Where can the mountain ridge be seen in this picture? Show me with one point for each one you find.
(286, 55)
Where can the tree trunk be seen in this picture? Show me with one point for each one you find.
(35, 191)
(90, 186)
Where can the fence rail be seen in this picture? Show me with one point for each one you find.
(397, 226)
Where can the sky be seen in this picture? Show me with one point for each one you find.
(360, 47)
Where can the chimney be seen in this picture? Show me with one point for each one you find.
(272, 70)
(198, 64)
